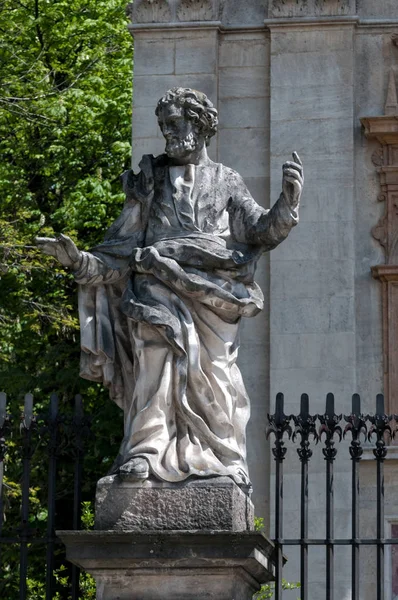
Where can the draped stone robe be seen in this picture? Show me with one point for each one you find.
(160, 302)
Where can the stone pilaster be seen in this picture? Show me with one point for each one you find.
(312, 279)
(312, 273)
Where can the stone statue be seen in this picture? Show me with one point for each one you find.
(161, 299)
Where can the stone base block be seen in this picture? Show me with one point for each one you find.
(172, 565)
(207, 504)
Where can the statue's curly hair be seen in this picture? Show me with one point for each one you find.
(197, 107)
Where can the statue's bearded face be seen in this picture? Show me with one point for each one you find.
(181, 134)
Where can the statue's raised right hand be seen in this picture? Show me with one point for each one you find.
(62, 248)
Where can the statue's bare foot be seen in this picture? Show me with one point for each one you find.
(134, 469)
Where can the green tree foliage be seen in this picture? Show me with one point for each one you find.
(65, 118)
(267, 590)
(65, 129)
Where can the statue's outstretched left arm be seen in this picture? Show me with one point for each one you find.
(252, 224)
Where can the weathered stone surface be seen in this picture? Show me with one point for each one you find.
(311, 8)
(230, 140)
(324, 68)
(378, 10)
(197, 10)
(151, 11)
(244, 50)
(150, 88)
(198, 55)
(243, 82)
(174, 565)
(250, 12)
(209, 504)
(312, 318)
(242, 113)
(154, 57)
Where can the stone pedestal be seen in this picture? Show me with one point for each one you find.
(207, 504)
(183, 541)
(172, 565)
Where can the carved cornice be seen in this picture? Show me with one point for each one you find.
(311, 8)
(383, 129)
(173, 11)
(176, 11)
(385, 273)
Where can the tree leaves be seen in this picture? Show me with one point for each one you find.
(65, 130)
(65, 126)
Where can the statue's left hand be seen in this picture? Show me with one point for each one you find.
(62, 248)
(293, 180)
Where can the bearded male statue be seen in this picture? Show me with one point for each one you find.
(161, 299)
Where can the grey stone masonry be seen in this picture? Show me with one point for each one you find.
(173, 565)
(210, 504)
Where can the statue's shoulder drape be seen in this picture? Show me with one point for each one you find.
(106, 354)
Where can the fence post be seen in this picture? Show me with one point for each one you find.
(52, 427)
(356, 424)
(28, 424)
(79, 432)
(279, 425)
(5, 426)
(305, 427)
(330, 427)
(380, 427)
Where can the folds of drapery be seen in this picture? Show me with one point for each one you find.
(106, 304)
(164, 339)
(160, 325)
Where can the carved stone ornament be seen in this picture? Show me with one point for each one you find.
(378, 157)
(391, 106)
(379, 232)
(334, 7)
(196, 10)
(384, 129)
(311, 8)
(151, 11)
(171, 11)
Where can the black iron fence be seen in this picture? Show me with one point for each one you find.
(63, 440)
(375, 433)
(54, 437)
